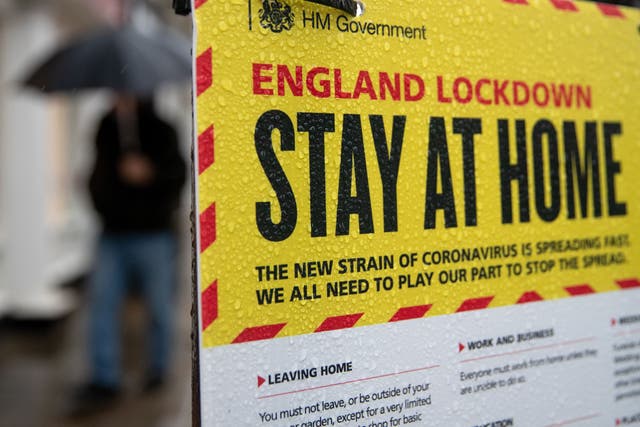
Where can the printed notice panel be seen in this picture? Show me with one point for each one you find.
(423, 158)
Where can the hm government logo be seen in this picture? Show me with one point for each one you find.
(276, 15)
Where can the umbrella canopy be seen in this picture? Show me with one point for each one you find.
(121, 59)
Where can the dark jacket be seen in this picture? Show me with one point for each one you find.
(127, 208)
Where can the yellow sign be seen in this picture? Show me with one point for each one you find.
(421, 159)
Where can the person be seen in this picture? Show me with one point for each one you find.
(135, 188)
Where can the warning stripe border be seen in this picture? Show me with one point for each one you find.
(208, 222)
(199, 3)
(608, 10)
(416, 312)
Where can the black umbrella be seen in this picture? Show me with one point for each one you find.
(122, 59)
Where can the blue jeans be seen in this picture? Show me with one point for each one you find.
(150, 258)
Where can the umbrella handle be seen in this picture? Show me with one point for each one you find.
(128, 132)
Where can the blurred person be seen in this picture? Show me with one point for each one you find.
(135, 188)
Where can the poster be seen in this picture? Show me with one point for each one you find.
(425, 215)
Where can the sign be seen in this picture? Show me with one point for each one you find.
(424, 215)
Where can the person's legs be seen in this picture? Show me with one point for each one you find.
(155, 264)
(106, 289)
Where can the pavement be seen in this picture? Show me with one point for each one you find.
(42, 363)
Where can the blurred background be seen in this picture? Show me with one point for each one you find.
(48, 226)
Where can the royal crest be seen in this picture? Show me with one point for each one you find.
(276, 15)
